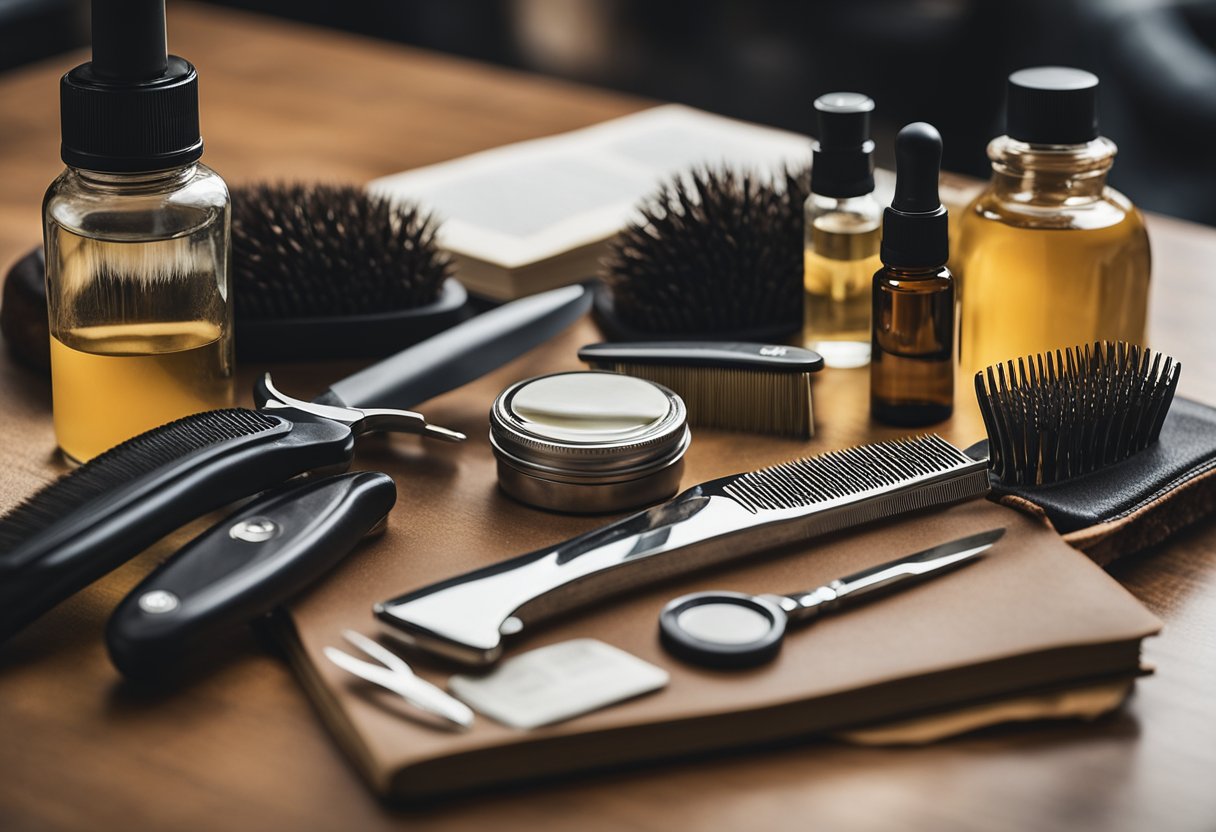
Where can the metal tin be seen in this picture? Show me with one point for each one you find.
(589, 442)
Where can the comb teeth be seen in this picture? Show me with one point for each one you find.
(757, 401)
(853, 471)
(133, 458)
(1058, 415)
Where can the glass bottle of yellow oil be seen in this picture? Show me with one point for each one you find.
(1049, 256)
(843, 231)
(137, 242)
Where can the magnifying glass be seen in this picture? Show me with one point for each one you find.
(732, 629)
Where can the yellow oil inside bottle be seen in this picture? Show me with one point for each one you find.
(1027, 290)
(113, 382)
(1049, 256)
(840, 259)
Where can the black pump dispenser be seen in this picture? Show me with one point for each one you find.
(843, 160)
(134, 107)
(915, 230)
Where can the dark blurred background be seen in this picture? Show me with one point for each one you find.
(942, 61)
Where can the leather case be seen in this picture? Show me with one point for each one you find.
(1137, 503)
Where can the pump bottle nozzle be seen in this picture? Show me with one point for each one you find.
(129, 41)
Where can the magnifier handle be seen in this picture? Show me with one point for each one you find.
(804, 606)
(886, 577)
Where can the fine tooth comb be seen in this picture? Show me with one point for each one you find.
(465, 618)
(1059, 415)
(759, 388)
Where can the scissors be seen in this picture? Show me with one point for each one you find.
(394, 674)
(731, 629)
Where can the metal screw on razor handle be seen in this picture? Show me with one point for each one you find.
(732, 630)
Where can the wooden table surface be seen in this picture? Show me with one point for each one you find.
(243, 749)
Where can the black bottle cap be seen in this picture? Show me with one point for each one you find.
(1052, 105)
(915, 231)
(843, 162)
(133, 108)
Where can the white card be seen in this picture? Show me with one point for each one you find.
(557, 682)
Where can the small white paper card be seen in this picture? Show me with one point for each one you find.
(558, 682)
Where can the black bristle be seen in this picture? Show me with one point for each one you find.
(1058, 415)
(325, 250)
(715, 251)
(123, 463)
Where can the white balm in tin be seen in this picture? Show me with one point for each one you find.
(589, 442)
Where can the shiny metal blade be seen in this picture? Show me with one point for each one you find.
(915, 567)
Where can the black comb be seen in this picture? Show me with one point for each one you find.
(91, 520)
(1058, 415)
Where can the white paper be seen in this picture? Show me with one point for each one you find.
(558, 682)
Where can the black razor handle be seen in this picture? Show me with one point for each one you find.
(92, 520)
(242, 568)
(723, 355)
(463, 353)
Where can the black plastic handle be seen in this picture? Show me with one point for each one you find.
(242, 568)
(465, 352)
(720, 355)
(102, 514)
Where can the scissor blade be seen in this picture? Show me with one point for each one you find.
(915, 567)
(418, 692)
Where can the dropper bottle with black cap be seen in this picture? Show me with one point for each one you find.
(1049, 255)
(912, 368)
(843, 226)
(136, 231)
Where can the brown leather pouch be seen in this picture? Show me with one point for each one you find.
(1137, 503)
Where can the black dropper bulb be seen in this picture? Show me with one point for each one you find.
(915, 227)
(129, 41)
(843, 163)
(134, 107)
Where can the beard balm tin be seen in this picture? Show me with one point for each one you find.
(589, 442)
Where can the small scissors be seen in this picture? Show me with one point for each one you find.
(395, 675)
(731, 629)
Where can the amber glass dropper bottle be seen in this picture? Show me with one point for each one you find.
(912, 344)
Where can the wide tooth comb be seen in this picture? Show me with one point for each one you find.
(1061, 414)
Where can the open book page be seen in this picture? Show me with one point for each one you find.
(531, 201)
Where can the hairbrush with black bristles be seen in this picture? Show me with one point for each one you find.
(466, 618)
(318, 272)
(331, 271)
(93, 519)
(715, 255)
(1088, 438)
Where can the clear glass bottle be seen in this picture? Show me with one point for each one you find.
(136, 232)
(1049, 256)
(843, 229)
(840, 258)
(137, 269)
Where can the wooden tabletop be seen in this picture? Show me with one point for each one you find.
(242, 747)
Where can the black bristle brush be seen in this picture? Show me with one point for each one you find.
(318, 271)
(1092, 438)
(715, 255)
(1058, 415)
